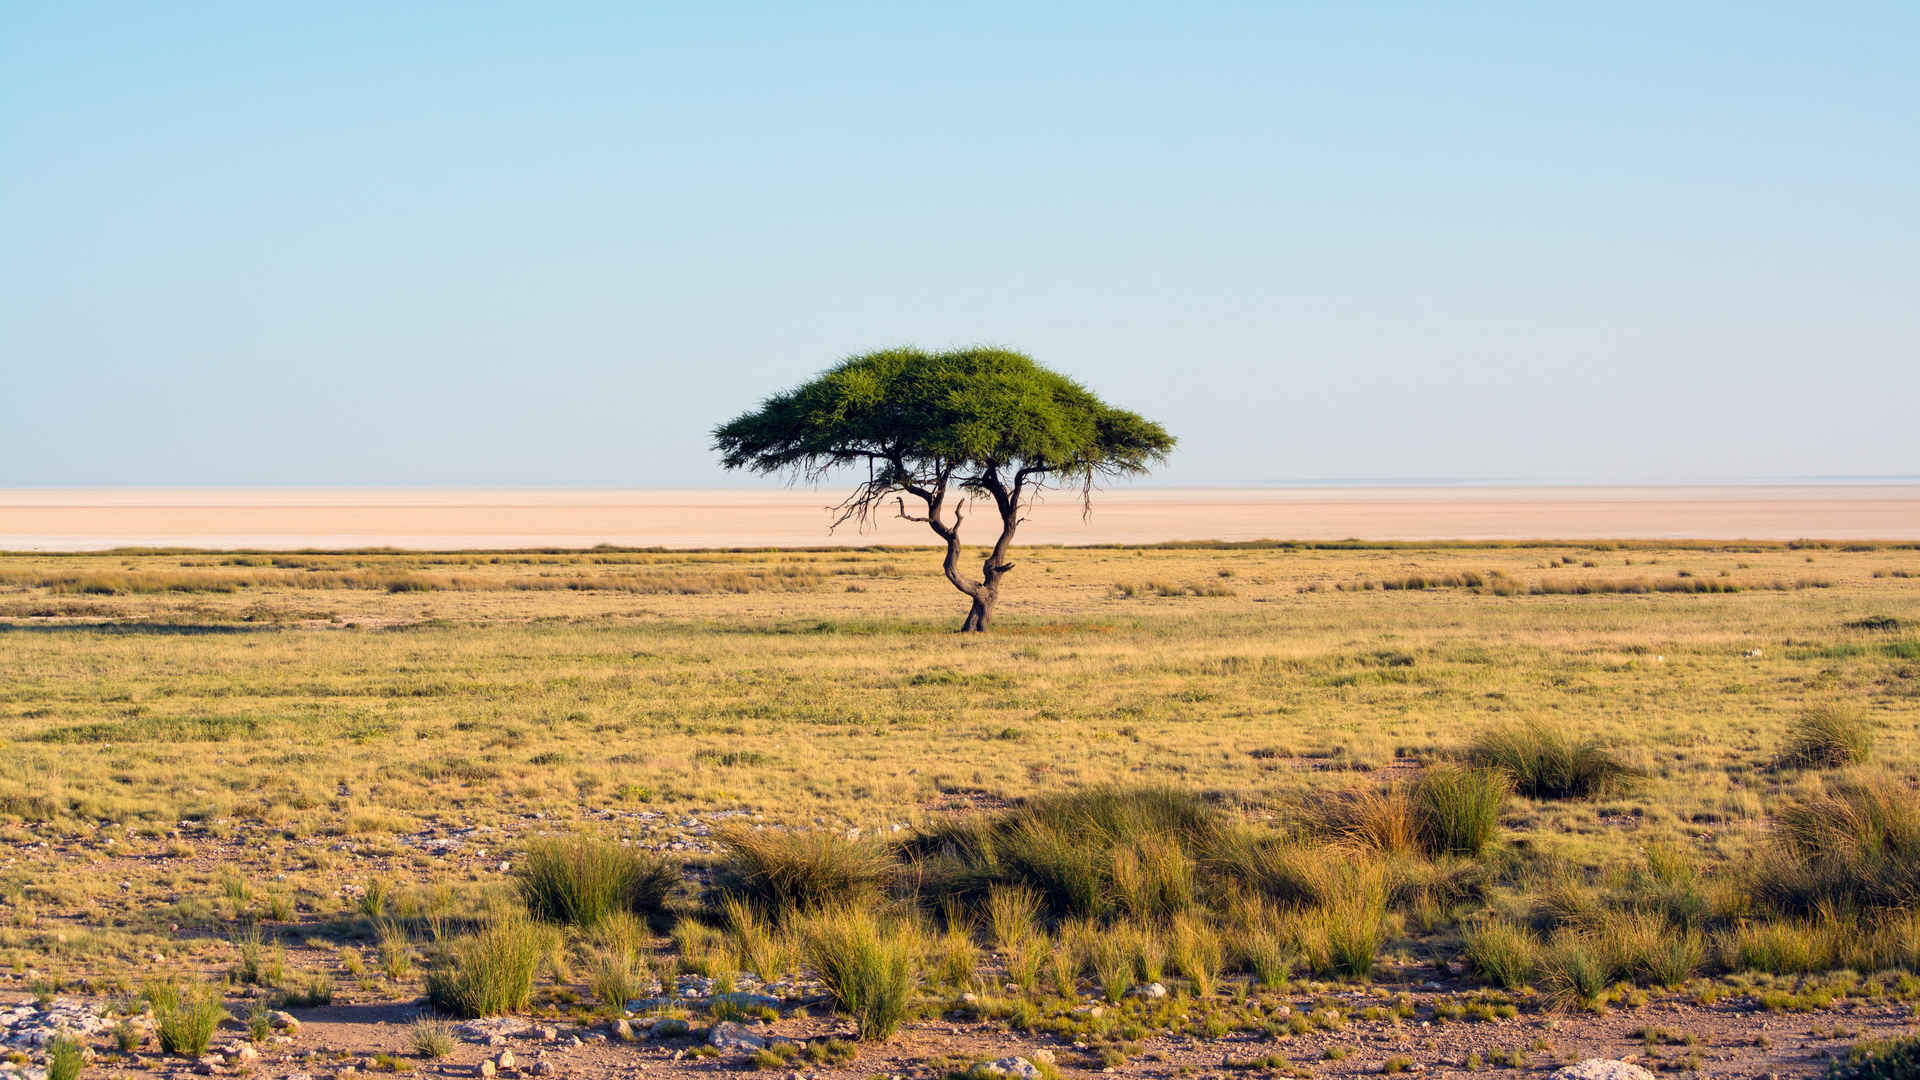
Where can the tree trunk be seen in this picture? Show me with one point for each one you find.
(981, 613)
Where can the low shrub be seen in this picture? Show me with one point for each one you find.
(1828, 737)
(491, 971)
(1572, 972)
(1196, 952)
(582, 880)
(1549, 763)
(867, 966)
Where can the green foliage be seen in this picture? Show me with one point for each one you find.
(65, 1058)
(184, 1017)
(583, 880)
(971, 408)
(490, 972)
(1827, 737)
(1098, 853)
(1500, 951)
(1549, 763)
(1882, 1059)
(868, 966)
(1457, 811)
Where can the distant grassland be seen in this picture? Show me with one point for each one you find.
(324, 693)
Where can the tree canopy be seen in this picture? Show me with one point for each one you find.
(986, 423)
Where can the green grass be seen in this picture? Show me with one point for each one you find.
(1549, 762)
(1826, 737)
(788, 873)
(185, 1016)
(870, 966)
(489, 972)
(584, 880)
(1881, 1059)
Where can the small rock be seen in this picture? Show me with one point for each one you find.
(669, 1027)
(285, 1021)
(544, 1068)
(623, 1029)
(1014, 1068)
(1602, 1069)
(505, 1061)
(487, 1068)
(208, 1065)
(548, 1033)
(1151, 990)
(728, 1035)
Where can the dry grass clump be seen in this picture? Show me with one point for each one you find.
(786, 873)
(868, 965)
(1447, 810)
(1879, 1059)
(1827, 737)
(1856, 847)
(584, 880)
(1548, 762)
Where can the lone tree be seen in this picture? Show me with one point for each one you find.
(945, 428)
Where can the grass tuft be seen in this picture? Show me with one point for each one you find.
(869, 967)
(490, 972)
(584, 880)
(1549, 763)
(1828, 737)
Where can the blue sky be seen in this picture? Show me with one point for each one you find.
(554, 244)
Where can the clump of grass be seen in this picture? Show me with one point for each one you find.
(184, 1017)
(490, 972)
(1645, 947)
(1500, 951)
(1344, 933)
(1880, 1059)
(1195, 949)
(1780, 946)
(430, 1038)
(1573, 973)
(1857, 846)
(1153, 876)
(1828, 737)
(1100, 853)
(785, 873)
(582, 880)
(1112, 966)
(65, 1057)
(1380, 818)
(869, 967)
(1545, 762)
(615, 977)
(1457, 811)
(758, 947)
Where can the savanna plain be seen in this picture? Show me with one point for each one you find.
(1187, 811)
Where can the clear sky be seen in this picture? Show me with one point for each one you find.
(261, 243)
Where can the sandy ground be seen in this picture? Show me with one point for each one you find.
(52, 519)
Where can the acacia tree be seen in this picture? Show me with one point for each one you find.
(946, 429)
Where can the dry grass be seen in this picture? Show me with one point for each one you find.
(315, 726)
